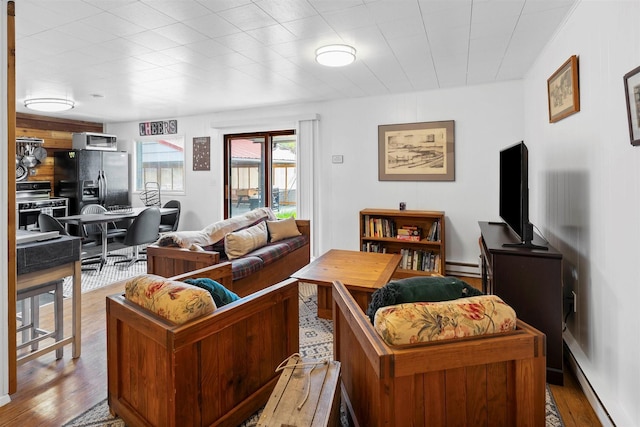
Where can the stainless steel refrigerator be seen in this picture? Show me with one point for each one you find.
(92, 176)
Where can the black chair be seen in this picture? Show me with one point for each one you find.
(48, 223)
(169, 222)
(143, 230)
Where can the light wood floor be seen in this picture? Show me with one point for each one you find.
(52, 392)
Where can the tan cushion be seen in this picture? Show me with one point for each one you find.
(417, 322)
(242, 242)
(283, 229)
(177, 302)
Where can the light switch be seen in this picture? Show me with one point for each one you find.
(337, 158)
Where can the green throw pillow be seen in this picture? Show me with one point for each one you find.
(420, 288)
(221, 295)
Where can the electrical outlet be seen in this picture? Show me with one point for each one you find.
(575, 301)
(337, 158)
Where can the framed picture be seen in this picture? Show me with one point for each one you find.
(202, 153)
(632, 90)
(563, 91)
(416, 152)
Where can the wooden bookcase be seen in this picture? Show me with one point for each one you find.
(422, 257)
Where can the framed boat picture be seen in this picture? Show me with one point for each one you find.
(416, 151)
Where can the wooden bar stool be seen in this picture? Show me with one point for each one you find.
(32, 334)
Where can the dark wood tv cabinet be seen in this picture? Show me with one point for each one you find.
(530, 281)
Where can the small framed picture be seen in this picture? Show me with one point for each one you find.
(632, 91)
(563, 91)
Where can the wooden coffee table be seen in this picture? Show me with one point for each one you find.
(361, 272)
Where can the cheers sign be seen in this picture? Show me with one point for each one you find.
(159, 128)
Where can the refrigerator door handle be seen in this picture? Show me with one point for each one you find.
(101, 188)
(105, 185)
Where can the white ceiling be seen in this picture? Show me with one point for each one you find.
(128, 60)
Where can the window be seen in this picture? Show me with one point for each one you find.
(261, 170)
(160, 159)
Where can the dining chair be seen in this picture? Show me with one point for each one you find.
(95, 230)
(169, 222)
(143, 230)
(47, 222)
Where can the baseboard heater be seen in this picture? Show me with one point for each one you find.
(455, 268)
(589, 392)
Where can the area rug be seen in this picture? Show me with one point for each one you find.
(316, 341)
(110, 273)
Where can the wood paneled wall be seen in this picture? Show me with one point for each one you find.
(56, 134)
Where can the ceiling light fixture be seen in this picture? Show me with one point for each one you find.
(335, 55)
(49, 105)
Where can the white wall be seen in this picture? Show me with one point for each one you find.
(584, 177)
(487, 118)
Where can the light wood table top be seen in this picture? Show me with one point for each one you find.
(355, 269)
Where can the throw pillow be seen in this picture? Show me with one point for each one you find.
(242, 242)
(419, 288)
(417, 322)
(175, 301)
(221, 295)
(283, 229)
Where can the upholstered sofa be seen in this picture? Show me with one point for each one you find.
(270, 263)
(496, 379)
(209, 368)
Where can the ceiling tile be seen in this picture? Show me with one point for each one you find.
(214, 55)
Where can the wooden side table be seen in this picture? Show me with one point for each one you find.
(361, 272)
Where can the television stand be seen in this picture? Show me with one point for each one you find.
(530, 281)
(525, 245)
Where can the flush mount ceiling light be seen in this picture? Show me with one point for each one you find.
(49, 105)
(335, 55)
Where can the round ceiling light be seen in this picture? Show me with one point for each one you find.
(50, 105)
(335, 55)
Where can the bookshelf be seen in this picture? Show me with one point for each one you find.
(417, 235)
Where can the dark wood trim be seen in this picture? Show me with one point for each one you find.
(11, 197)
(33, 121)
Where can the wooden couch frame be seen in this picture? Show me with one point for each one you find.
(495, 380)
(171, 261)
(215, 370)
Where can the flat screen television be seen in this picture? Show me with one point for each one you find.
(514, 193)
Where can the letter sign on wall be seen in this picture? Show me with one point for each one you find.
(167, 127)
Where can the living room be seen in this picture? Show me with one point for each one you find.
(579, 168)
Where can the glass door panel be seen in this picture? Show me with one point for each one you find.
(246, 169)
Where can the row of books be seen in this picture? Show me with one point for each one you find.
(386, 227)
(434, 232)
(414, 259)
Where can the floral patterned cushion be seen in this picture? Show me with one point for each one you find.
(177, 302)
(417, 322)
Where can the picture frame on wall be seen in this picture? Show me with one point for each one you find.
(632, 91)
(202, 153)
(563, 91)
(416, 151)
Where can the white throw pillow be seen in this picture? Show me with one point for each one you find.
(240, 243)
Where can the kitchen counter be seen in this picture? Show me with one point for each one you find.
(42, 254)
(44, 261)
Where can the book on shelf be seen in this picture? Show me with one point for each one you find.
(410, 238)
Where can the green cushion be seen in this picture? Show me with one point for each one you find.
(420, 288)
(221, 295)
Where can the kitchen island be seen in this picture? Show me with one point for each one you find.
(43, 261)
